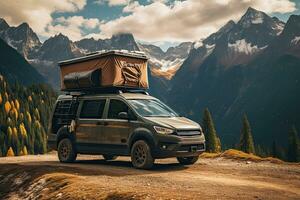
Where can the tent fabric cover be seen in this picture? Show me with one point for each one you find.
(84, 79)
(115, 71)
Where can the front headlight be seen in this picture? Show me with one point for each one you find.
(163, 130)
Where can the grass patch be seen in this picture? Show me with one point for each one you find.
(239, 155)
(210, 155)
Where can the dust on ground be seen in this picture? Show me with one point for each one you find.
(44, 177)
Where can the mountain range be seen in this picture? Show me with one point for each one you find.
(44, 56)
(250, 66)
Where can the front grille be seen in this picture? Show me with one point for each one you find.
(188, 133)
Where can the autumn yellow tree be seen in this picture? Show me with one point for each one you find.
(7, 107)
(10, 152)
(24, 115)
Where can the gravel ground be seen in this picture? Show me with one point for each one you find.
(43, 177)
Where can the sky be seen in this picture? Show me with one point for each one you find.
(164, 23)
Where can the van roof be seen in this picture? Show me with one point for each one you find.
(122, 95)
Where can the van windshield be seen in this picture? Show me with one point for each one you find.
(152, 108)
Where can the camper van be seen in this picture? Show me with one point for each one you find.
(107, 111)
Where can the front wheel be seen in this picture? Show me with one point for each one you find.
(141, 157)
(109, 157)
(187, 160)
(66, 151)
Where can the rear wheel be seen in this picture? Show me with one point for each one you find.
(109, 157)
(141, 157)
(66, 151)
(187, 160)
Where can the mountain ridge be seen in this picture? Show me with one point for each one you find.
(264, 85)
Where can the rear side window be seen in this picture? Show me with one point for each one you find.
(64, 112)
(92, 109)
(115, 107)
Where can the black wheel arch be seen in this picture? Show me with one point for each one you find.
(142, 134)
(63, 132)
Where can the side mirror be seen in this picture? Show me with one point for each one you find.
(123, 115)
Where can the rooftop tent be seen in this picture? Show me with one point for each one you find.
(102, 70)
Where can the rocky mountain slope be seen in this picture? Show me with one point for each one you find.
(120, 41)
(252, 67)
(22, 38)
(166, 64)
(44, 56)
(15, 68)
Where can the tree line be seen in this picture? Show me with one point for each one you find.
(246, 141)
(24, 116)
(25, 113)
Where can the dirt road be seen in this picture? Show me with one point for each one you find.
(43, 177)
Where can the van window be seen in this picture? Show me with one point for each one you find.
(92, 109)
(65, 111)
(152, 108)
(115, 107)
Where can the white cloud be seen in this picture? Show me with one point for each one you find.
(73, 27)
(272, 6)
(36, 13)
(186, 20)
(113, 2)
(162, 1)
(131, 7)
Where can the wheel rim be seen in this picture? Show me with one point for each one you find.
(64, 150)
(139, 155)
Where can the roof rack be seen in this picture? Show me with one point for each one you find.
(106, 90)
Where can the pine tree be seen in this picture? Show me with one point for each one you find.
(2, 143)
(275, 150)
(213, 143)
(246, 141)
(260, 151)
(293, 154)
(24, 115)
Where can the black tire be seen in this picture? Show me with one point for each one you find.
(141, 157)
(66, 151)
(109, 157)
(187, 160)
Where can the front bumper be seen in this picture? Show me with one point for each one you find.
(175, 146)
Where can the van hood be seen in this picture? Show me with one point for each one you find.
(178, 123)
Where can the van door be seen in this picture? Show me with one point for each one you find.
(89, 126)
(116, 131)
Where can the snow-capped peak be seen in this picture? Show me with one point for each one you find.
(252, 16)
(197, 44)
